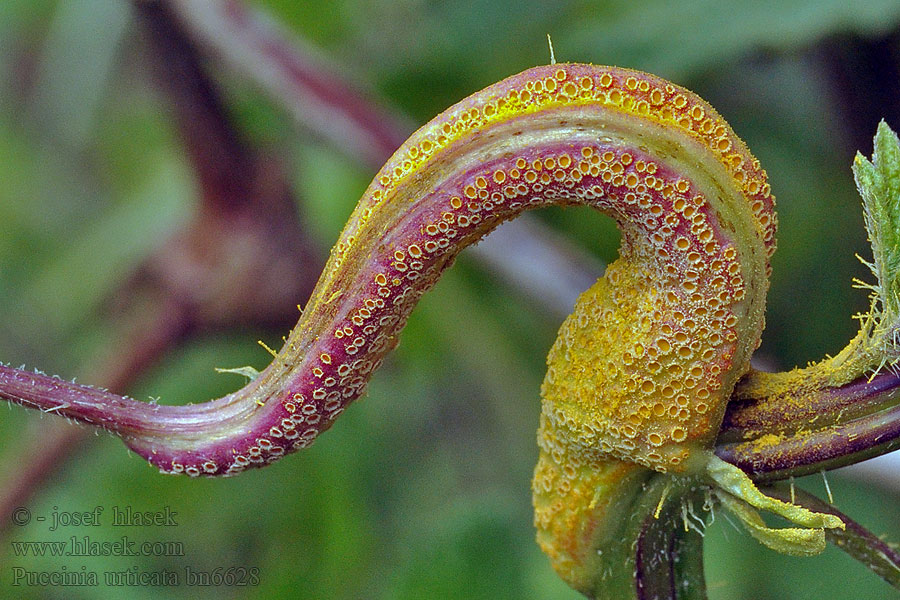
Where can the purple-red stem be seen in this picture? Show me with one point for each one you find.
(775, 438)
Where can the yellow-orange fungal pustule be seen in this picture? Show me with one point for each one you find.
(686, 296)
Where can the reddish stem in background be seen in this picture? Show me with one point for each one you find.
(293, 73)
(310, 87)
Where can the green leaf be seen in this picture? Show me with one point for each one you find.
(878, 181)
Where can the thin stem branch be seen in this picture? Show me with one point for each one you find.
(881, 558)
(58, 442)
(770, 457)
(783, 413)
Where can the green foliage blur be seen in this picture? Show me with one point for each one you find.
(421, 490)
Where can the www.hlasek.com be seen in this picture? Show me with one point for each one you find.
(85, 546)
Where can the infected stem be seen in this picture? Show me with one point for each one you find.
(472, 168)
(770, 457)
(804, 429)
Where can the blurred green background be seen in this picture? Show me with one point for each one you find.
(422, 489)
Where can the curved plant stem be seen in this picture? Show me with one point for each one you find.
(413, 221)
